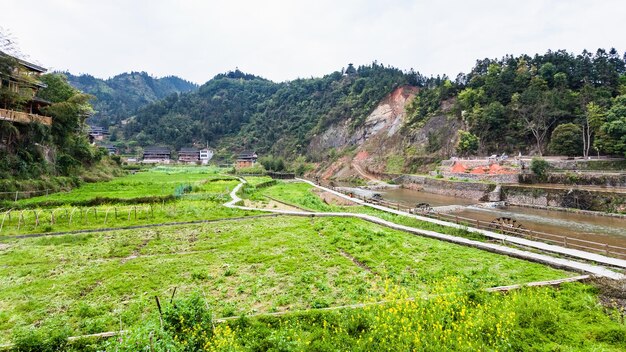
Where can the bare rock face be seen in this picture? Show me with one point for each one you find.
(386, 120)
(388, 117)
(381, 137)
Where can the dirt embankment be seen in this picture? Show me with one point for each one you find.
(332, 199)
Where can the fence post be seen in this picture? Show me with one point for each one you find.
(135, 213)
(565, 241)
(477, 223)
(16, 193)
(606, 248)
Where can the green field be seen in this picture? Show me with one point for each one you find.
(75, 284)
(91, 281)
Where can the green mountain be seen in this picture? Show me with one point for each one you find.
(528, 104)
(244, 111)
(119, 97)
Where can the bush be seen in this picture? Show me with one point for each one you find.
(468, 143)
(566, 140)
(539, 167)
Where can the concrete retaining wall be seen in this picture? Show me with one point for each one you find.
(601, 200)
(578, 178)
(470, 190)
(509, 178)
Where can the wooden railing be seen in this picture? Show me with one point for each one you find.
(559, 240)
(24, 117)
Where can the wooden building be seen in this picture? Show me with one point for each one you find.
(24, 80)
(246, 159)
(156, 154)
(97, 133)
(111, 149)
(188, 155)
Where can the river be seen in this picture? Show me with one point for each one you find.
(588, 227)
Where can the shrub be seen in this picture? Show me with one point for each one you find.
(566, 140)
(539, 167)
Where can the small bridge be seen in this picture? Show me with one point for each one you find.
(24, 117)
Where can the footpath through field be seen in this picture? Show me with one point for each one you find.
(491, 247)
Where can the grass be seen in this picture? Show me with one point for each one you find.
(452, 319)
(203, 203)
(160, 181)
(300, 194)
(102, 281)
(92, 282)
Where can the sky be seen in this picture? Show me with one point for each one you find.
(289, 39)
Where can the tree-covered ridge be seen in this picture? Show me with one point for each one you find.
(516, 103)
(247, 112)
(119, 97)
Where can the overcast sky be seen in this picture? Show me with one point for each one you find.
(284, 40)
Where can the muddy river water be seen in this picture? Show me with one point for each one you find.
(588, 227)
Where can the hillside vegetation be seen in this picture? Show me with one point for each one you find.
(33, 151)
(518, 103)
(245, 111)
(508, 105)
(119, 97)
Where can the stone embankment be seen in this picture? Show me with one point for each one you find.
(478, 191)
(592, 199)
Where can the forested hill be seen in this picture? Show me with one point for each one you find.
(542, 104)
(556, 103)
(119, 97)
(243, 111)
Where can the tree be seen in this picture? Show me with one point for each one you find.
(534, 108)
(593, 119)
(611, 137)
(565, 140)
(468, 143)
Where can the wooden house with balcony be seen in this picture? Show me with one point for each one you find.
(21, 78)
(246, 159)
(188, 155)
(156, 154)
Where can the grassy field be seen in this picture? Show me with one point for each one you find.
(202, 200)
(57, 286)
(92, 282)
(160, 181)
(300, 195)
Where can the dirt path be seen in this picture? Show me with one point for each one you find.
(363, 174)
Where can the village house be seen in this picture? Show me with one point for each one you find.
(246, 159)
(24, 80)
(188, 155)
(156, 154)
(205, 155)
(111, 149)
(97, 133)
